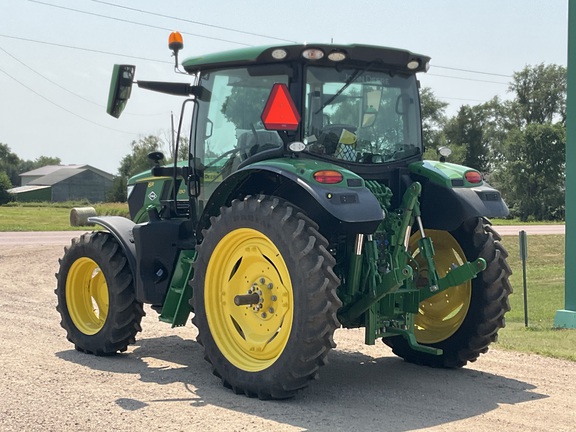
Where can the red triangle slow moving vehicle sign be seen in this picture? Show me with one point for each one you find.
(280, 113)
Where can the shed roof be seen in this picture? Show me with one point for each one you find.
(61, 172)
(57, 176)
(49, 169)
(22, 189)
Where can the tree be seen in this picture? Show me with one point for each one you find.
(540, 93)
(464, 131)
(531, 171)
(532, 179)
(13, 166)
(5, 184)
(134, 163)
(29, 165)
(433, 121)
(137, 161)
(244, 106)
(9, 164)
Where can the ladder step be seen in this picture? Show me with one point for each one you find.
(176, 308)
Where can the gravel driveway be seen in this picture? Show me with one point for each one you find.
(163, 383)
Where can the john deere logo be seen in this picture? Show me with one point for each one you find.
(152, 196)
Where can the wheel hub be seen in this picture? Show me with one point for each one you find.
(87, 296)
(249, 298)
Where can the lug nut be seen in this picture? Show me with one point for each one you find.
(270, 285)
(271, 310)
(273, 298)
(262, 280)
(263, 315)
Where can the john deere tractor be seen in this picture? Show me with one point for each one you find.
(304, 206)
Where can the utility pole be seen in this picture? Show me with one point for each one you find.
(566, 318)
(172, 145)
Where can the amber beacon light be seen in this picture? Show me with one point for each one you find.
(175, 43)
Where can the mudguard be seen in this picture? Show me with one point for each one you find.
(346, 206)
(121, 228)
(151, 250)
(448, 200)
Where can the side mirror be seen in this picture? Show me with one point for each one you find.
(444, 152)
(120, 89)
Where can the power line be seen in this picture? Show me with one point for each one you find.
(471, 71)
(48, 79)
(168, 62)
(232, 30)
(134, 22)
(192, 22)
(467, 79)
(461, 99)
(61, 107)
(86, 49)
(227, 29)
(64, 88)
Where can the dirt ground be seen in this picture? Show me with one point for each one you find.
(163, 383)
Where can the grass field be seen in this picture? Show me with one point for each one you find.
(545, 295)
(50, 217)
(545, 277)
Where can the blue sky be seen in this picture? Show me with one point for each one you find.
(52, 97)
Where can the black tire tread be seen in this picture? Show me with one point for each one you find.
(489, 303)
(310, 352)
(125, 312)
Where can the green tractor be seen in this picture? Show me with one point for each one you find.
(304, 206)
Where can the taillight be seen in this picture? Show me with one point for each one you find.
(328, 177)
(473, 177)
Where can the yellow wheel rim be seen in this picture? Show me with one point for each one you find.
(246, 262)
(441, 315)
(87, 296)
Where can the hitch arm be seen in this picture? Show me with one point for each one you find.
(454, 277)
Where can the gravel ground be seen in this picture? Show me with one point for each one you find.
(163, 383)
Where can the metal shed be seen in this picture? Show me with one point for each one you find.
(58, 183)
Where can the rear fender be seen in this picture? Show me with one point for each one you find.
(448, 200)
(344, 207)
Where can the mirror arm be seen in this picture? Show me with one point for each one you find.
(177, 89)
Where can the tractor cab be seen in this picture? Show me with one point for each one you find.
(355, 106)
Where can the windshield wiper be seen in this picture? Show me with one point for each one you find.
(357, 74)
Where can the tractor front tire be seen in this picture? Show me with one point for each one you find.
(264, 298)
(96, 296)
(463, 320)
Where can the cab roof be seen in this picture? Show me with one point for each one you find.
(355, 55)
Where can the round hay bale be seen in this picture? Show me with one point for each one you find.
(79, 216)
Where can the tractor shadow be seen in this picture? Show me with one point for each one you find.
(354, 391)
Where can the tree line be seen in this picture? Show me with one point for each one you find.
(11, 166)
(518, 144)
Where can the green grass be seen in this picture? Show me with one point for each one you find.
(545, 295)
(50, 217)
(516, 221)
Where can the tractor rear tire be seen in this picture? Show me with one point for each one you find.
(96, 296)
(486, 304)
(264, 298)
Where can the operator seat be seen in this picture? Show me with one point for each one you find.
(254, 141)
